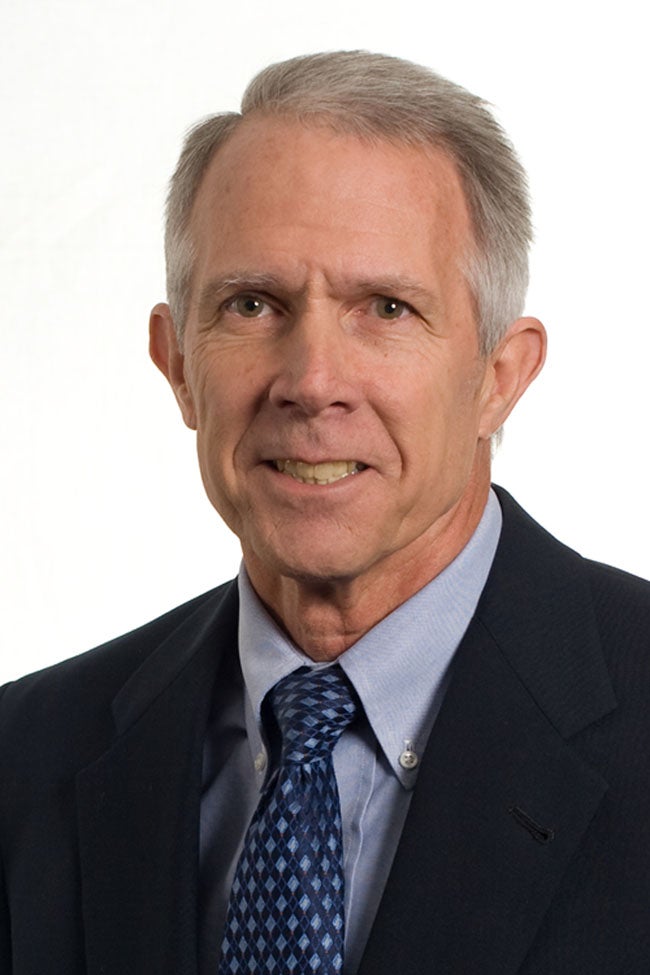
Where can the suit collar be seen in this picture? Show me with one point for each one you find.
(503, 796)
(138, 805)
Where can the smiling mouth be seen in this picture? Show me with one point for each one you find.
(326, 473)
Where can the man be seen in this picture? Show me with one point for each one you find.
(346, 274)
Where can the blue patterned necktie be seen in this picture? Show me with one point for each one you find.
(286, 910)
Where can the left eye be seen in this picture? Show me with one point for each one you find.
(390, 309)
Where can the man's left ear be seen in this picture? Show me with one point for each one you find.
(513, 365)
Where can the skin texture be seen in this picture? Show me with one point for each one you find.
(330, 320)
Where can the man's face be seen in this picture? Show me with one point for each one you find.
(331, 364)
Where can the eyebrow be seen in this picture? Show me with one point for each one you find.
(252, 280)
(397, 286)
(393, 285)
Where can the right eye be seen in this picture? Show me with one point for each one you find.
(248, 306)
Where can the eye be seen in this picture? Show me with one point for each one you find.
(248, 306)
(390, 309)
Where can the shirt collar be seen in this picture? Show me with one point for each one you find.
(399, 668)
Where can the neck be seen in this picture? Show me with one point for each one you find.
(326, 617)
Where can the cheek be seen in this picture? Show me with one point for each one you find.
(228, 378)
(445, 418)
(213, 392)
(226, 411)
(214, 422)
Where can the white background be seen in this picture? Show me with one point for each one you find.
(102, 516)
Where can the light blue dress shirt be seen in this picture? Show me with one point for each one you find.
(400, 671)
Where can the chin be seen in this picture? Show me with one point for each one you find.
(314, 566)
(319, 571)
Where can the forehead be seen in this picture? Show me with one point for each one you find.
(278, 180)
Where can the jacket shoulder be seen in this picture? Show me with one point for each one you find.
(70, 702)
(622, 606)
(608, 581)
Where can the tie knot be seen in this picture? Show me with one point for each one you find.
(312, 708)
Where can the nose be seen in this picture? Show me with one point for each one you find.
(316, 370)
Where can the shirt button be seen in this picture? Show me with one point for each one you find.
(260, 762)
(408, 759)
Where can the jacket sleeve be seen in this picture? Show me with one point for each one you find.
(5, 927)
(5, 921)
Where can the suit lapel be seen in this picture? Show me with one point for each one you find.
(503, 798)
(138, 806)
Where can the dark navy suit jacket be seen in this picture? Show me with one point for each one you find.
(527, 844)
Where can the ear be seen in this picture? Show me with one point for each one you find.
(513, 365)
(166, 353)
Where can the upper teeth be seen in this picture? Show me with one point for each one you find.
(325, 473)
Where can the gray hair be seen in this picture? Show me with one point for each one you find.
(375, 97)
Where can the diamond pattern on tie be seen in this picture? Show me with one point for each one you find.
(286, 910)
